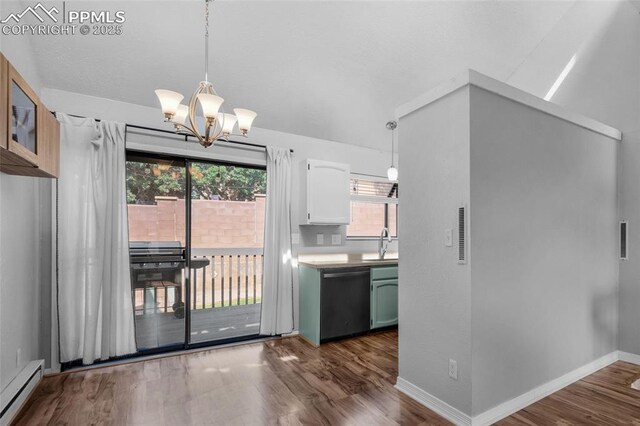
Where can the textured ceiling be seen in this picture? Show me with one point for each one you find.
(331, 70)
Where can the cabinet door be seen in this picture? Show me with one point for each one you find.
(23, 116)
(328, 193)
(384, 303)
(4, 101)
(48, 143)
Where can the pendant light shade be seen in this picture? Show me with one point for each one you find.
(245, 119)
(228, 121)
(169, 101)
(392, 174)
(180, 116)
(210, 105)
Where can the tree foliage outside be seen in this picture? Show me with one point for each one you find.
(145, 181)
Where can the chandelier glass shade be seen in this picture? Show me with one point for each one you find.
(214, 124)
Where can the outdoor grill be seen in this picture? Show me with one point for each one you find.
(158, 264)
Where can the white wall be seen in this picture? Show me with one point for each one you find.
(25, 250)
(604, 84)
(362, 160)
(543, 248)
(434, 294)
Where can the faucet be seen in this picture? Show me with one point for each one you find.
(382, 245)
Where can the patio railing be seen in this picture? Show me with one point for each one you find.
(232, 277)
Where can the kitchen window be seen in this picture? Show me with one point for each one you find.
(374, 205)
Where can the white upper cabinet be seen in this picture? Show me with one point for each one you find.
(325, 193)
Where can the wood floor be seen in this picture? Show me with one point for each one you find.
(603, 398)
(286, 382)
(289, 382)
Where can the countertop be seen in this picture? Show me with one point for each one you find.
(350, 260)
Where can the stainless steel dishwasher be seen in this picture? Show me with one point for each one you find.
(344, 302)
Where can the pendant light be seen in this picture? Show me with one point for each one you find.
(392, 172)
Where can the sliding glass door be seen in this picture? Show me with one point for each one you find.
(156, 191)
(196, 262)
(227, 232)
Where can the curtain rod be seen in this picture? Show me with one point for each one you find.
(152, 129)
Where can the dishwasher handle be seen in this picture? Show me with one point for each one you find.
(345, 274)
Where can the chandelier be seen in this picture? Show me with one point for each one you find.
(218, 125)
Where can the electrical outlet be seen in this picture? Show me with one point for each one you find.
(448, 237)
(320, 239)
(335, 239)
(18, 357)
(453, 369)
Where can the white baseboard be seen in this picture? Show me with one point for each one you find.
(513, 405)
(518, 403)
(433, 403)
(629, 357)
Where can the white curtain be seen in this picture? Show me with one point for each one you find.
(94, 283)
(277, 291)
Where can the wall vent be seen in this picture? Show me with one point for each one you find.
(624, 240)
(462, 235)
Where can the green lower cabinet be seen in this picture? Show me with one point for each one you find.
(384, 298)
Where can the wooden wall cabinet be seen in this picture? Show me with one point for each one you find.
(29, 133)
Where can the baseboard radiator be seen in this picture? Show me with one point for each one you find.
(17, 392)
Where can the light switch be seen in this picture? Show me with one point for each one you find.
(320, 239)
(448, 237)
(335, 239)
(295, 238)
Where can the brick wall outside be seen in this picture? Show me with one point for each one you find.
(230, 224)
(215, 223)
